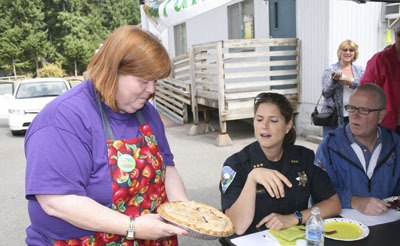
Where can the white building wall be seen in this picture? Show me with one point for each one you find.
(213, 25)
(261, 19)
(361, 23)
(206, 28)
(321, 26)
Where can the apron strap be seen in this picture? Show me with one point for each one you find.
(106, 124)
(140, 118)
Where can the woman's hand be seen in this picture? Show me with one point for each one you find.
(346, 81)
(152, 226)
(337, 75)
(278, 222)
(273, 181)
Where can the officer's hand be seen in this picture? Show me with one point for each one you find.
(278, 222)
(368, 205)
(273, 181)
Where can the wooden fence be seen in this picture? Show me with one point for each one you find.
(173, 98)
(227, 75)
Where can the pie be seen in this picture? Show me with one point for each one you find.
(197, 216)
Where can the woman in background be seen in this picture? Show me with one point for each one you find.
(339, 81)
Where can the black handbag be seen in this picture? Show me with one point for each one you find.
(324, 119)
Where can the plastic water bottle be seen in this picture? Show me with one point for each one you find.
(315, 229)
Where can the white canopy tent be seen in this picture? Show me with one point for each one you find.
(165, 13)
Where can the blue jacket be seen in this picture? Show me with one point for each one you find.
(337, 157)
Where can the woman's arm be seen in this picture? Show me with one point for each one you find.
(174, 185)
(328, 84)
(87, 214)
(242, 211)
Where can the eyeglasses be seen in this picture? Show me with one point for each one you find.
(348, 50)
(363, 111)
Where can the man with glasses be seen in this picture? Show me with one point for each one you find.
(362, 158)
(383, 69)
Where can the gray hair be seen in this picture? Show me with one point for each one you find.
(380, 95)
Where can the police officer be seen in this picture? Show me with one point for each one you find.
(270, 181)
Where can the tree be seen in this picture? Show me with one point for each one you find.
(10, 47)
(66, 32)
(117, 13)
(82, 34)
(27, 35)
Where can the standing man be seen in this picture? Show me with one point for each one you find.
(383, 69)
(362, 158)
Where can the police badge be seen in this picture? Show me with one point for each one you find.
(302, 178)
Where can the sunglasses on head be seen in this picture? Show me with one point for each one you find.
(264, 95)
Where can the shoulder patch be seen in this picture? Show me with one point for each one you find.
(227, 176)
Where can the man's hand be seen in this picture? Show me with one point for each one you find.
(368, 205)
(273, 181)
(277, 221)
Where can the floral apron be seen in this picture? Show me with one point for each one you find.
(138, 171)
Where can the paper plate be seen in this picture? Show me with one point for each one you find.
(393, 198)
(347, 229)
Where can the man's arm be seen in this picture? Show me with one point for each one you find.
(371, 74)
(368, 205)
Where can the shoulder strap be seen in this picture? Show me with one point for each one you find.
(106, 124)
(140, 118)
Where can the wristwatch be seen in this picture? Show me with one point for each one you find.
(299, 217)
(130, 233)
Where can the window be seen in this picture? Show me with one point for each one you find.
(180, 39)
(241, 20)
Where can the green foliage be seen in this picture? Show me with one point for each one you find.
(51, 70)
(37, 32)
(123, 12)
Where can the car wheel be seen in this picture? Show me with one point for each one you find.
(16, 133)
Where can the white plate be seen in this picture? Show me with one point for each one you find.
(389, 199)
(364, 229)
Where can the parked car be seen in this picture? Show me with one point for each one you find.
(29, 98)
(6, 92)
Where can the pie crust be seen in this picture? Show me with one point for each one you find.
(197, 216)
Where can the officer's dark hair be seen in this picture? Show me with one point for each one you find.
(284, 107)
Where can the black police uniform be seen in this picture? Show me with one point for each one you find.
(295, 161)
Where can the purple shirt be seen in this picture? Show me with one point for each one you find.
(66, 152)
